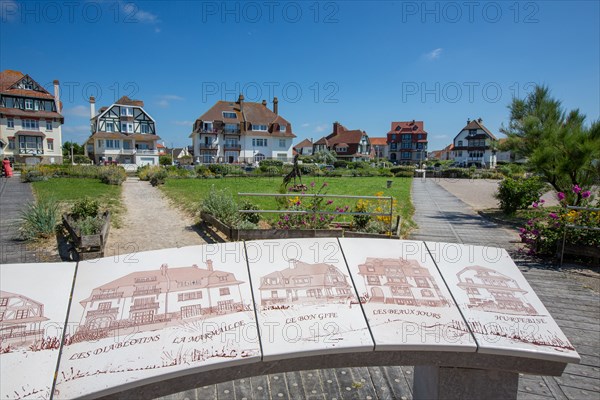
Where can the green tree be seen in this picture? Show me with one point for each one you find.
(77, 149)
(325, 157)
(559, 146)
(165, 160)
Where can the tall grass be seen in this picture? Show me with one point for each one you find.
(39, 219)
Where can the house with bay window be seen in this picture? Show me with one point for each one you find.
(407, 142)
(122, 133)
(30, 120)
(241, 132)
(349, 145)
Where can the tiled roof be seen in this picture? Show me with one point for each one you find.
(316, 272)
(30, 113)
(304, 143)
(9, 77)
(142, 136)
(407, 127)
(126, 101)
(476, 124)
(345, 137)
(378, 141)
(30, 133)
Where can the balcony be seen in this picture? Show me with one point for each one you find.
(145, 292)
(208, 131)
(208, 146)
(30, 151)
(231, 131)
(145, 306)
(147, 152)
(106, 296)
(102, 311)
(233, 146)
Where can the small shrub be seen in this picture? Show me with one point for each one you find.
(84, 208)
(402, 168)
(81, 159)
(385, 172)
(158, 176)
(39, 219)
(361, 221)
(89, 225)
(404, 174)
(112, 175)
(518, 194)
(33, 175)
(201, 169)
(249, 217)
(341, 164)
(219, 169)
(165, 160)
(222, 206)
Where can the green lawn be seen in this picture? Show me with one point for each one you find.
(69, 190)
(188, 193)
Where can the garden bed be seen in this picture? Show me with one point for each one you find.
(87, 246)
(234, 234)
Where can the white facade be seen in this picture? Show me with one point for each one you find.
(472, 146)
(47, 147)
(241, 148)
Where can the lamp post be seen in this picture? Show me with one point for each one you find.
(72, 158)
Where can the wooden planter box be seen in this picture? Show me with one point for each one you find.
(87, 246)
(579, 250)
(257, 234)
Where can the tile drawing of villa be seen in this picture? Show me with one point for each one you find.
(400, 281)
(150, 300)
(489, 290)
(20, 320)
(305, 283)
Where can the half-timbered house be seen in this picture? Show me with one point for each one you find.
(20, 320)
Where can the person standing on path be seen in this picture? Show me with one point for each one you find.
(6, 168)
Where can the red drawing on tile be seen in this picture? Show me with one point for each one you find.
(400, 281)
(491, 291)
(155, 299)
(305, 283)
(20, 321)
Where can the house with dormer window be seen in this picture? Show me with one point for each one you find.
(241, 132)
(30, 120)
(407, 142)
(473, 145)
(349, 145)
(122, 133)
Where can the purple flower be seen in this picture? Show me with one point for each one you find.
(586, 194)
(561, 196)
(535, 232)
(324, 184)
(542, 201)
(522, 230)
(530, 222)
(312, 184)
(553, 215)
(329, 202)
(576, 189)
(534, 205)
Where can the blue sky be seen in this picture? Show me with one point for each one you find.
(363, 64)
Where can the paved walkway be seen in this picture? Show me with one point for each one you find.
(149, 223)
(14, 197)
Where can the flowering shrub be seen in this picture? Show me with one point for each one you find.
(517, 194)
(373, 224)
(312, 205)
(542, 233)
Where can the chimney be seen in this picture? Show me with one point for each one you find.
(292, 263)
(92, 107)
(275, 106)
(468, 121)
(163, 269)
(241, 101)
(480, 120)
(264, 103)
(336, 127)
(57, 96)
(209, 265)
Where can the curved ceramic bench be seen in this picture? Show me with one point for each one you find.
(160, 322)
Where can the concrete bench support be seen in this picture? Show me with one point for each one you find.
(433, 382)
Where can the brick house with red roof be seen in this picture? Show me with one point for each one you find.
(473, 145)
(407, 142)
(242, 132)
(304, 283)
(400, 281)
(30, 120)
(380, 147)
(349, 145)
(141, 300)
(304, 148)
(123, 133)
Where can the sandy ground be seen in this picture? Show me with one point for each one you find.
(479, 193)
(149, 223)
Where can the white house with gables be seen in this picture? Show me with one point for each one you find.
(123, 133)
(472, 145)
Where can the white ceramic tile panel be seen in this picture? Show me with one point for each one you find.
(305, 299)
(33, 308)
(404, 297)
(140, 317)
(502, 310)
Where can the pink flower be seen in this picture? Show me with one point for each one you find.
(576, 189)
(312, 184)
(586, 194)
(329, 202)
(542, 201)
(561, 196)
(534, 205)
(522, 230)
(553, 215)
(324, 184)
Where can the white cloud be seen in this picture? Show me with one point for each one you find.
(321, 128)
(440, 136)
(77, 111)
(305, 125)
(184, 123)
(434, 54)
(164, 101)
(134, 13)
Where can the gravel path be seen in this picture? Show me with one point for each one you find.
(149, 223)
(479, 193)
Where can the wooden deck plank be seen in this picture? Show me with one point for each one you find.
(363, 384)
(294, 385)
(225, 391)
(399, 382)
(311, 383)
(260, 388)
(535, 385)
(580, 382)
(331, 387)
(242, 389)
(278, 386)
(583, 370)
